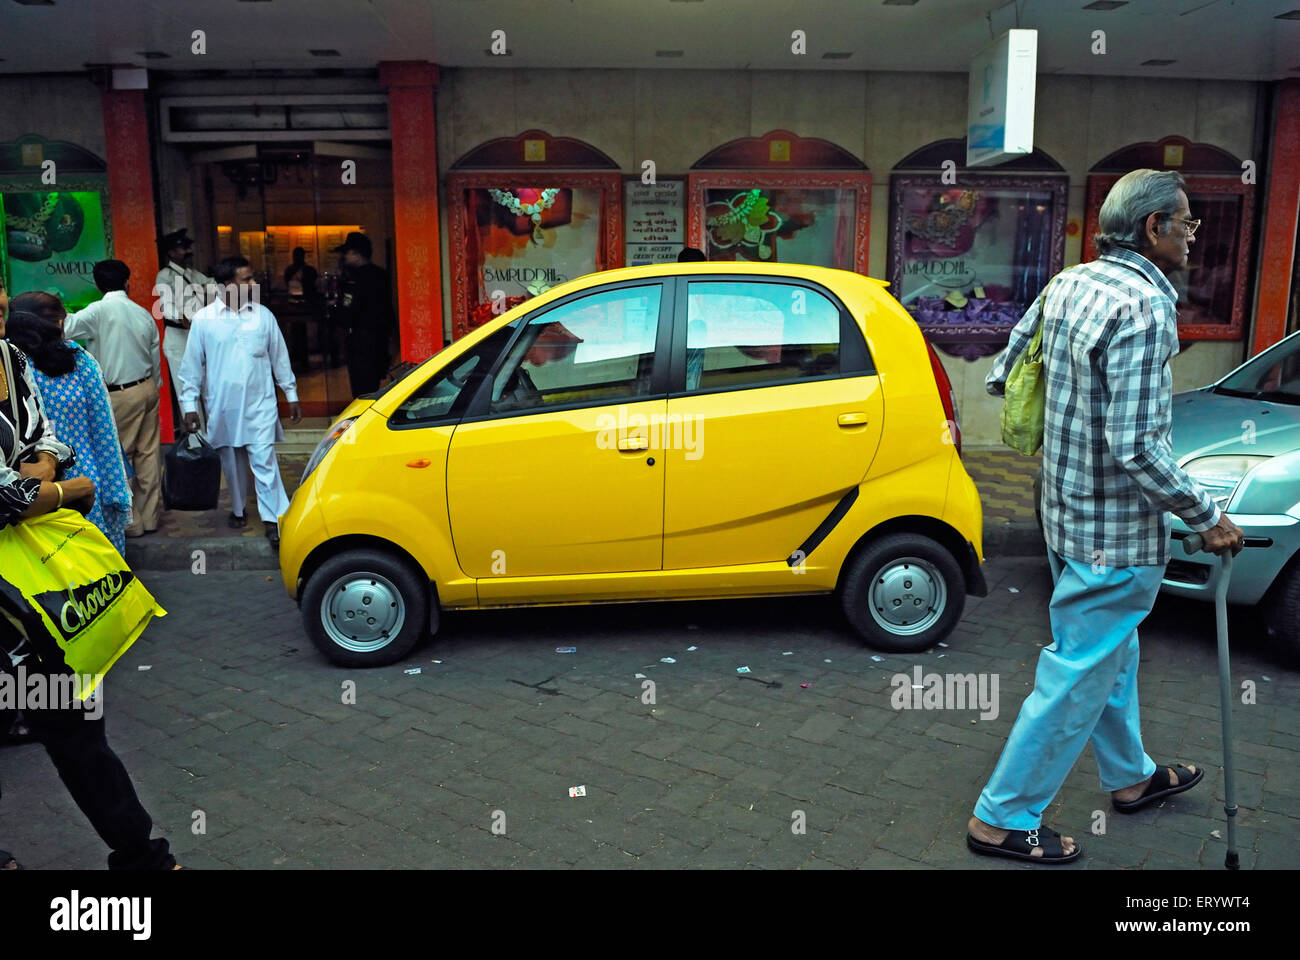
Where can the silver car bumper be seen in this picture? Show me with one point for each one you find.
(1253, 570)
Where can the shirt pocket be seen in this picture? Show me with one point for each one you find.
(252, 342)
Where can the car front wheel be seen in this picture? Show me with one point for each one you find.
(365, 608)
(903, 593)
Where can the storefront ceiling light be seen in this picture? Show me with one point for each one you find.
(670, 53)
(1157, 63)
(1105, 4)
(324, 53)
(836, 55)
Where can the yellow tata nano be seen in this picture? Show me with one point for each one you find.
(671, 432)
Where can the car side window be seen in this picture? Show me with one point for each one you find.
(596, 349)
(447, 392)
(744, 333)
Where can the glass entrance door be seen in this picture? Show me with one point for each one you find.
(285, 210)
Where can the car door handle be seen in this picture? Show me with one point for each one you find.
(852, 419)
(630, 444)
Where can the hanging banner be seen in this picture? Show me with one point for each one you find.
(53, 241)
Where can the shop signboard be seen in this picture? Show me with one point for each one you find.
(655, 221)
(52, 242)
(1000, 105)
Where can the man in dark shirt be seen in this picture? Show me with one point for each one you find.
(368, 313)
(302, 272)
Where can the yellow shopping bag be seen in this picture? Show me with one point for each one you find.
(72, 594)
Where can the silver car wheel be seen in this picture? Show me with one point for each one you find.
(362, 611)
(908, 595)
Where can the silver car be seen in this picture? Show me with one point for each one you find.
(1240, 439)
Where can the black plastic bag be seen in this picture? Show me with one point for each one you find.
(191, 475)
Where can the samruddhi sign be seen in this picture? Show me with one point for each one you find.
(1000, 110)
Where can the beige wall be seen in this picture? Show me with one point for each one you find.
(675, 117)
(53, 106)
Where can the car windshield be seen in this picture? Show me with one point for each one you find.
(1273, 375)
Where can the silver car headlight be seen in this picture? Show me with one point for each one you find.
(1219, 475)
(322, 448)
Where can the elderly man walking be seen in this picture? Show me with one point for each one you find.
(237, 355)
(1110, 483)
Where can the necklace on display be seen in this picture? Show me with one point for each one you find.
(532, 211)
(35, 224)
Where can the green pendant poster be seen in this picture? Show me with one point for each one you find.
(54, 240)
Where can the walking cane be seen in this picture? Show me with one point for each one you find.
(1193, 544)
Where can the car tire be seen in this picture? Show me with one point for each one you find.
(894, 577)
(365, 608)
(1282, 617)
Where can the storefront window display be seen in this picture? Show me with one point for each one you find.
(970, 252)
(52, 238)
(781, 198)
(515, 234)
(1212, 288)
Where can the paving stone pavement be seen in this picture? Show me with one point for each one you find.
(240, 718)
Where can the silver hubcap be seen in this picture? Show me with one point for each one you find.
(907, 596)
(362, 612)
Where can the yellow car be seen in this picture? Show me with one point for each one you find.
(672, 432)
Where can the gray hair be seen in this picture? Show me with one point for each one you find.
(1133, 198)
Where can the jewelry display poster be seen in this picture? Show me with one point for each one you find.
(655, 221)
(53, 241)
(532, 238)
(781, 225)
(968, 263)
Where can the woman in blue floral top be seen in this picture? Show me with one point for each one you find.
(76, 402)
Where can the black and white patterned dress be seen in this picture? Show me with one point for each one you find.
(20, 441)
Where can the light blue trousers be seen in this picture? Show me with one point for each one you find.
(1085, 690)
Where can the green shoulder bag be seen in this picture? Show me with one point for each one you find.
(1025, 395)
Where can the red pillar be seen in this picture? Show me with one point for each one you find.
(411, 85)
(130, 186)
(1282, 209)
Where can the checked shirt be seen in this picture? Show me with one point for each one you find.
(1109, 477)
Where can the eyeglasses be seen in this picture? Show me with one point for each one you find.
(1188, 225)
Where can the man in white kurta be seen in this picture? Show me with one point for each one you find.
(237, 355)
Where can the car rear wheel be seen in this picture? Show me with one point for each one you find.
(365, 608)
(903, 593)
(1283, 614)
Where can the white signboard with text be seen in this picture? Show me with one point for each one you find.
(1000, 107)
(655, 224)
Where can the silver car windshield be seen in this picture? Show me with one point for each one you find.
(1273, 375)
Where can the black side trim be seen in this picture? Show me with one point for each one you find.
(823, 529)
(975, 583)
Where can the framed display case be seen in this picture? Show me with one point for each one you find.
(1212, 289)
(968, 253)
(781, 198)
(53, 234)
(517, 230)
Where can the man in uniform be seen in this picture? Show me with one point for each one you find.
(177, 289)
